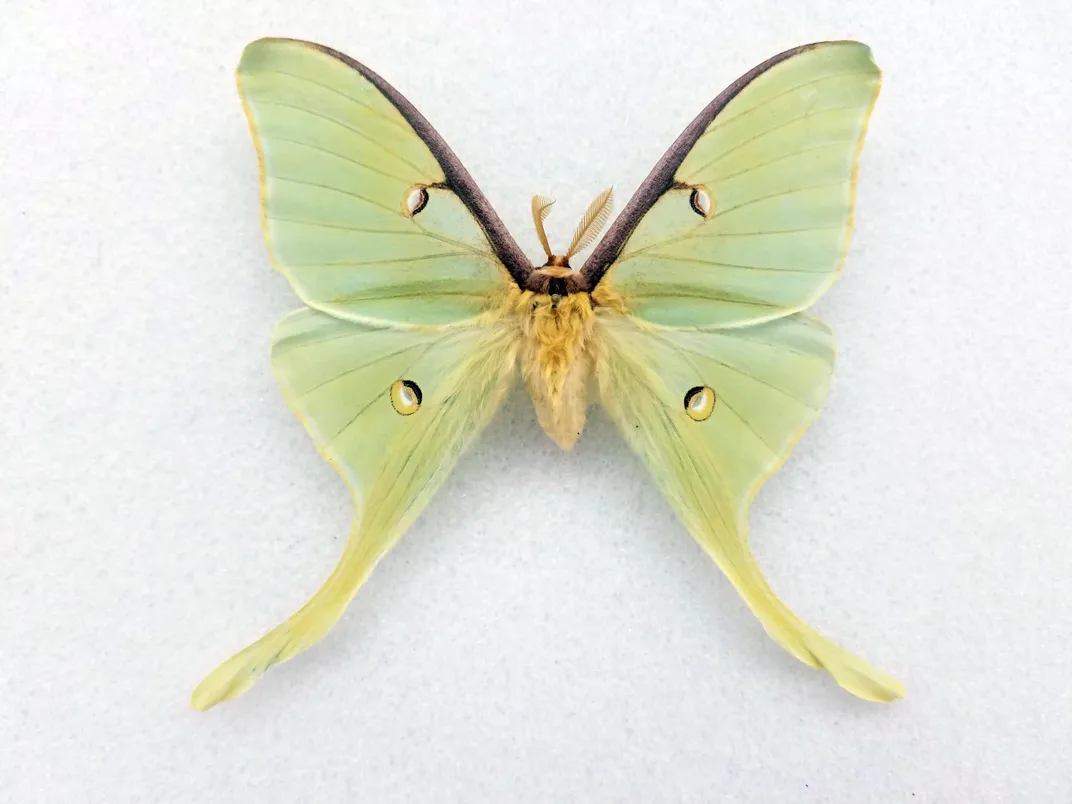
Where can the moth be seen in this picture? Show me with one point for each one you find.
(684, 321)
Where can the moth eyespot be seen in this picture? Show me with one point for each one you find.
(700, 402)
(701, 202)
(416, 199)
(405, 397)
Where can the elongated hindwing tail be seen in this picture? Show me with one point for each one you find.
(713, 414)
(392, 410)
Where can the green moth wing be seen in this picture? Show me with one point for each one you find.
(365, 208)
(748, 215)
(708, 367)
(713, 414)
(392, 409)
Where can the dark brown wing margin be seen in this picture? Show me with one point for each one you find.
(457, 177)
(661, 177)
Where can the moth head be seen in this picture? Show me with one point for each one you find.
(592, 223)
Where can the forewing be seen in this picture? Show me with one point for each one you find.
(772, 162)
(365, 208)
(339, 377)
(769, 382)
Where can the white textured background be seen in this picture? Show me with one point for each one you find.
(547, 631)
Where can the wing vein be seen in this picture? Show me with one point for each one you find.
(737, 370)
(400, 123)
(352, 369)
(703, 375)
(416, 293)
(721, 123)
(375, 203)
(761, 135)
(699, 233)
(367, 263)
(717, 264)
(369, 138)
(839, 182)
(356, 416)
(360, 230)
(357, 229)
(337, 155)
(777, 159)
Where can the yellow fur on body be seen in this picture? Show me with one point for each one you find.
(557, 354)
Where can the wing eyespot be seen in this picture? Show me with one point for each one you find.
(700, 402)
(415, 200)
(406, 397)
(702, 202)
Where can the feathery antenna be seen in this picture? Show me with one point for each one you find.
(595, 218)
(541, 205)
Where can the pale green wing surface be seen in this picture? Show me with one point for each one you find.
(748, 216)
(366, 210)
(767, 384)
(392, 409)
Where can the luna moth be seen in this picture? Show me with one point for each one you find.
(685, 320)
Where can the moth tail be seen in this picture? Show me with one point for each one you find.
(304, 629)
(851, 672)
